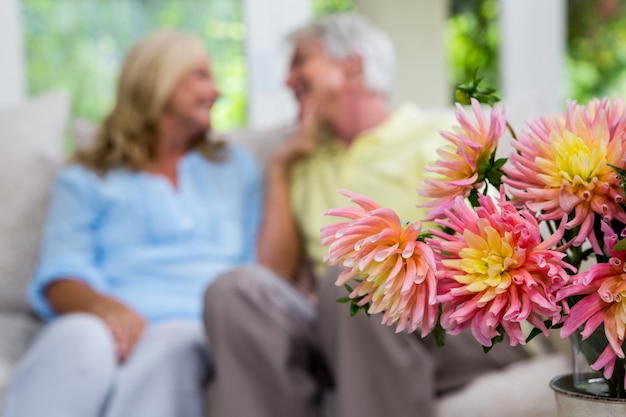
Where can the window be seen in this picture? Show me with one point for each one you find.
(78, 45)
(595, 60)
(473, 39)
(324, 7)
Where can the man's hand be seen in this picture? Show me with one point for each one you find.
(279, 246)
(304, 140)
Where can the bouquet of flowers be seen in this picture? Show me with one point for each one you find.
(510, 234)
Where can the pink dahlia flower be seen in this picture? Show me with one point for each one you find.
(604, 302)
(495, 271)
(462, 165)
(397, 270)
(562, 166)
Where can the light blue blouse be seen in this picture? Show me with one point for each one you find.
(135, 237)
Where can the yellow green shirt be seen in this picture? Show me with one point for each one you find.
(385, 164)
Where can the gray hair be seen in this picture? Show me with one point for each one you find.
(346, 35)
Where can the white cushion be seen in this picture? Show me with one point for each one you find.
(259, 142)
(17, 330)
(520, 390)
(32, 152)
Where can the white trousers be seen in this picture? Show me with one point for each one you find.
(71, 370)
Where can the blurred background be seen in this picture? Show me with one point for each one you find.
(552, 48)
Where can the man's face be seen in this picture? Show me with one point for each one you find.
(315, 76)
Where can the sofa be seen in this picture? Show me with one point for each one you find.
(32, 136)
(35, 137)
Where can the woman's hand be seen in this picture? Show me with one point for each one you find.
(71, 296)
(125, 325)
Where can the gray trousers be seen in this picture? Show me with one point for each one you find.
(72, 371)
(274, 350)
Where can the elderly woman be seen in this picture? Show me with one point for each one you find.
(139, 225)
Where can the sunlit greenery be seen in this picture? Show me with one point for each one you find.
(78, 45)
(596, 59)
(596, 35)
(324, 7)
(472, 41)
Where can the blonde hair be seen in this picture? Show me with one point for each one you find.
(153, 67)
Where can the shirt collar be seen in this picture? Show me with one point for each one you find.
(393, 126)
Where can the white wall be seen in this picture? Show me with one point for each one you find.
(12, 78)
(267, 24)
(532, 52)
(417, 28)
(532, 60)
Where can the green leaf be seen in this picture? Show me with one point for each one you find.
(486, 349)
(353, 309)
(439, 334)
(466, 91)
(620, 245)
(344, 300)
(462, 97)
(533, 333)
(495, 177)
(620, 171)
(465, 88)
(473, 197)
(499, 163)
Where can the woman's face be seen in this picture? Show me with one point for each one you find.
(193, 97)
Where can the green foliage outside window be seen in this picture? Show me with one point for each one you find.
(324, 7)
(78, 45)
(595, 59)
(472, 41)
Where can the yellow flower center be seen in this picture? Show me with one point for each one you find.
(576, 160)
(486, 261)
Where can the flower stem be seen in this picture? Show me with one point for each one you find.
(511, 131)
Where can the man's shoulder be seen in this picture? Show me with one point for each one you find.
(412, 127)
(410, 113)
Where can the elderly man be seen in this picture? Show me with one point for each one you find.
(274, 345)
